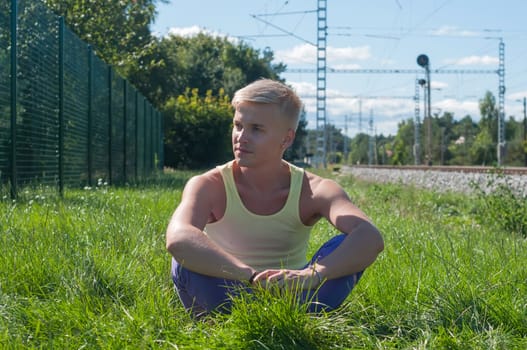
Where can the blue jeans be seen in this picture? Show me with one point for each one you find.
(202, 294)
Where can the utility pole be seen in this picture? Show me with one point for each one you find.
(417, 122)
(371, 143)
(375, 150)
(525, 131)
(322, 26)
(360, 116)
(443, 145)
(501, 104)
(346, 139)
(424, 62)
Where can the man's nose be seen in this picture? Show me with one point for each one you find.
(242, 135)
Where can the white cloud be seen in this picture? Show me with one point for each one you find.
(342, 54)
(303, 88)
(438, 85)
(299, 54)
(306, 54)
(346, 66)
(186, 31)
(388, 107)
(387, 112)
(453, 31)
(474, 60)
(386, 62)
(459, 108)
(189, 32)
(517, 96)
(514, 104)
(387, 127)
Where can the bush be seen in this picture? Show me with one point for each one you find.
(197, 130)
(500, 206)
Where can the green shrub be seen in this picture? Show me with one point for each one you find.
(500, 206)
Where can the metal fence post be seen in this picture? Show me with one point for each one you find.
(161, 141)
(136, 129)
(152, 134)
(125, 126)
(110, 75)
(61, 106)
(14, 96)
(144, 139)
(90, 117)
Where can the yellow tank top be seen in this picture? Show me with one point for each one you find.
(273, 241)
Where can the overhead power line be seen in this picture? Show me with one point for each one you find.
(285, 13)
(361, 97)
(395, 71)
(283, 30)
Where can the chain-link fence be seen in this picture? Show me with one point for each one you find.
(66, 118)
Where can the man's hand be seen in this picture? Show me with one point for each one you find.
(308, 278)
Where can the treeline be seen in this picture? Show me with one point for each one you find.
(443, 141)
(191, 80)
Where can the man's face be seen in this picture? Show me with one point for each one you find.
(259, 134)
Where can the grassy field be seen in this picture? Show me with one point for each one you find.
(91, 271)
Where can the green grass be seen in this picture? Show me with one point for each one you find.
(91, 271)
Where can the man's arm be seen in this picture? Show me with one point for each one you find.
(358, 250)
(363, 242)
(187, 242)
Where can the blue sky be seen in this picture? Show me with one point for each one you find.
(461, 35)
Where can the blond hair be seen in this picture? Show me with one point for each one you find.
(273, 92)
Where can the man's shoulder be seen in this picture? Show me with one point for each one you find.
(207, 180)
(313, 179)
(319, 185)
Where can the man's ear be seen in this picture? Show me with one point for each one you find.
(289, 138)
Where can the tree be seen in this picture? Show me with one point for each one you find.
(403, 143)
(119, 30)
(359, 149)
(298, 149)
(243, 65)
(484, 151)
(384, 151)
(443, 126)
(515, 155)
(463, 135)
(197, 130)
(335, 143)
(208, 63)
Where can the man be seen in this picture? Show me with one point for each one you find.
(247, 222)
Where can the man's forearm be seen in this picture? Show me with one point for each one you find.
(358, 251)
(196, 252)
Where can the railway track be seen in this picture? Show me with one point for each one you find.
(451, 168)
(444, 178)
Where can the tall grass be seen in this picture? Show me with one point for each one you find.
(91, 271)
(500, 205)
